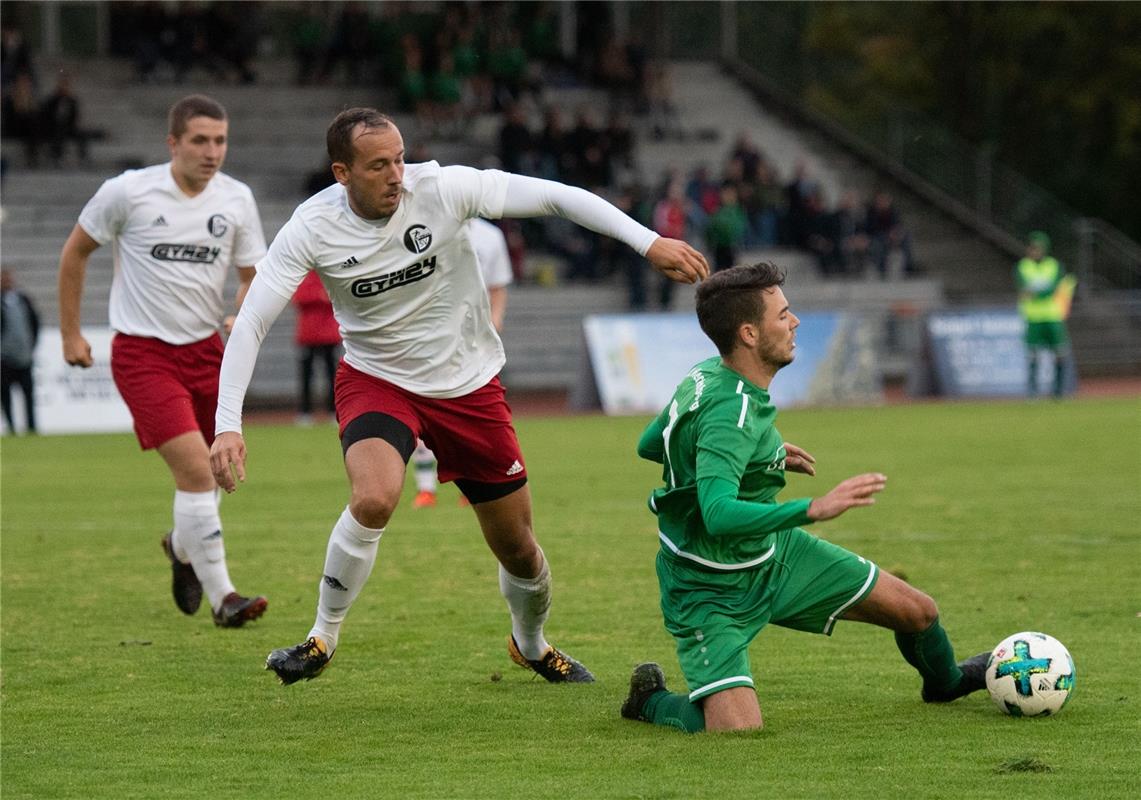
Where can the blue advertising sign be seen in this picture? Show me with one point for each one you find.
(981, 353)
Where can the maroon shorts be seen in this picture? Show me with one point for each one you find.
(472, 435)
(170, 389)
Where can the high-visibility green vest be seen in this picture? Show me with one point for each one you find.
(1037, 281)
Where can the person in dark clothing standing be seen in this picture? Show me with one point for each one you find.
(21, 330)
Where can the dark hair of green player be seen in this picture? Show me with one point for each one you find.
(728, 299)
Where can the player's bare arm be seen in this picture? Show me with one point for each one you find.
(72, 273)
(227, 459)
(852, 493)
(677, 260)
(245, 278)
(798, 459)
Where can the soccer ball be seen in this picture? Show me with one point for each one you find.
(1030, 674)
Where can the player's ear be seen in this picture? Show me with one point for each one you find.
(341, 172)
(747, 334)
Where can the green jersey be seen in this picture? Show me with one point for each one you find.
(723, 466)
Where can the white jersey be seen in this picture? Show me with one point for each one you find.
(172, 252)
(406, 291)
(491, 253)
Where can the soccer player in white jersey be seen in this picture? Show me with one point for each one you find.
(391, 245)
(178, 228)
(494, 260)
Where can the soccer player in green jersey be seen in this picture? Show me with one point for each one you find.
(732, 558)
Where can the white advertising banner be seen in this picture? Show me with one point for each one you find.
(74, 400)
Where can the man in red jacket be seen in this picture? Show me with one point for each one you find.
(318, 337)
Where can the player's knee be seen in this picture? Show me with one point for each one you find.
(517, 551)
(920, 612)
(373, 510)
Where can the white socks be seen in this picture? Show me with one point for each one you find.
(348, 563)
(197, 538)
(424, 466)
(529, 600)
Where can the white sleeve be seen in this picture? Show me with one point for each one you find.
(467, 192)
(249, 239)
(491, 251)
(535, 197)
(261, 307)
(106, 212)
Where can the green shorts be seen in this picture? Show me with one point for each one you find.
(1050, 335)
(715, 615)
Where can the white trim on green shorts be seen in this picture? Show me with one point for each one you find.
(717, 686)
(716, 564)
(855, 598)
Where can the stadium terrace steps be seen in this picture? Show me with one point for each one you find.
(278, 141)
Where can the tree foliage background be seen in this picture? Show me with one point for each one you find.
(1053, 88)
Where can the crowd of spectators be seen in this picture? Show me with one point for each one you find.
(451, 62)
(37, 123)
(168, 42)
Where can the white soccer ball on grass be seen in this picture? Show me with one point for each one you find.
(1030, 674)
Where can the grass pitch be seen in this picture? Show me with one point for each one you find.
(1012, 515)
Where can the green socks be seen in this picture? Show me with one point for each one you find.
(674, 711)
(930, 652)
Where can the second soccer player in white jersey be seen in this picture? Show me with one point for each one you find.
(178, 229)
(391, 245)
(494, 259)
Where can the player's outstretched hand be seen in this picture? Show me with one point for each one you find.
(851, 493)
(77, 351)
(797, 459)
(677, 260)
(227, 457)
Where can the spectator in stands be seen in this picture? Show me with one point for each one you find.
(507, 64)
(490, 246)
(349, 44)
(19, 332)
(552, 150)
(823, 235)
(516, 144)
(318, 338)
(619, 147)
(155, 37)
(426, 358)
(849, 225)
(1044, 294)
(446, 94)
(60, 116)
(725, 230)
(704, 196)
(478, 88)
(21, 118)
(746, 151)
(886, 234)
(665, 122)
(670, 220)
(15, 55)
(798, 213)
(414, 81)
(766, 219)
(306, 39)
(586, 146)
(178, 230)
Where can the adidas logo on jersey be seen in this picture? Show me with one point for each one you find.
(349, 262)
(515, 469)
(160, 220)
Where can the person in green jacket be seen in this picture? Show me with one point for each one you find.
(725, 231)
(732, 557)
(1044, 293)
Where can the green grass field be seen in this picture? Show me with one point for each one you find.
(1013, 516)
